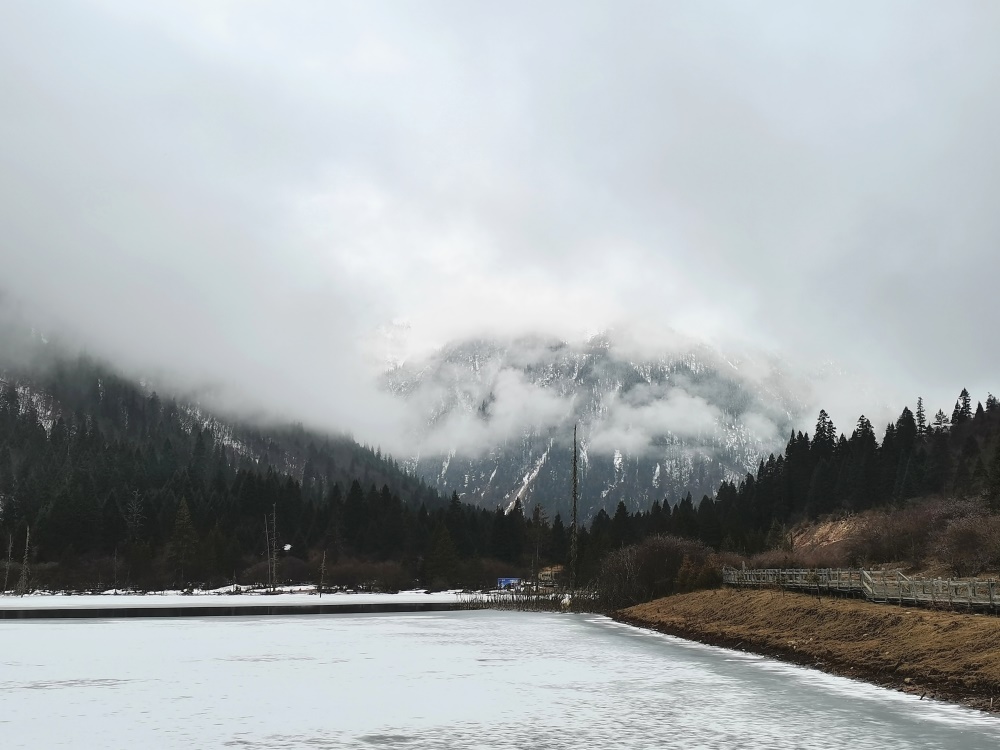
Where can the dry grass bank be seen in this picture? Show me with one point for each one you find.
(944, 655)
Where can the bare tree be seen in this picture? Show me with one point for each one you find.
(6, 572)
(322, 574)
(133, 517)
(22, 584)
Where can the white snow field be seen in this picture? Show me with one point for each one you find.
(466, 679)
(295, 596)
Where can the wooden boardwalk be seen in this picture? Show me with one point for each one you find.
(874, 585)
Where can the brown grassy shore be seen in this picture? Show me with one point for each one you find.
(944, 655)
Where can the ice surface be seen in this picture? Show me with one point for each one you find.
(448, 680)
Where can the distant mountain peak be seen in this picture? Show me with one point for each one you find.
(493, 418)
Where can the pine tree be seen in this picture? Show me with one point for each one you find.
(183, 542)
(963, 409)
(559, 541)
(620, 526)
(906, 431)
(826, 435)
(921, 417)
(441, 564)
(956, 414)
(941, 422)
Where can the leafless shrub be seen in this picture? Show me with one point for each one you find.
(347, 574)
(520, 601)
(970, 545)
(902, 535)
(655, 567)
(820, 557)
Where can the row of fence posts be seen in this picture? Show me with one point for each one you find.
(876, 585)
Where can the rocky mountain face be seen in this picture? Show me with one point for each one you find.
(495, 421)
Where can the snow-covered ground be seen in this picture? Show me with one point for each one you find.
(439, 680)
(294, 595)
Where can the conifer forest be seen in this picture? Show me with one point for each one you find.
(125, 488)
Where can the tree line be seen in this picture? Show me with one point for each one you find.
(119, 485)
(827, 473)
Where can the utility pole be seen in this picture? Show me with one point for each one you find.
(274, 546)
(267, 551)
(572, 534)
(271, 547)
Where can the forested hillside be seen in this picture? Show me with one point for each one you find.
(98, 468)
(956, 456)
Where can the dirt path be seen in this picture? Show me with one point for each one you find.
(944, 655)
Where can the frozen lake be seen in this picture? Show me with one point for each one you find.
(456, 679)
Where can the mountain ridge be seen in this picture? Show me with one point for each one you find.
(495, 417)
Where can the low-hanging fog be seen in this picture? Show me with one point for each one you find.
(265, 202)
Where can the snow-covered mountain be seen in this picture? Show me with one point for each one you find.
(495, 420)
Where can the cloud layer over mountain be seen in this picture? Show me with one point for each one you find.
(239, 195)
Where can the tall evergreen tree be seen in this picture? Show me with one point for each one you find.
(183, 543)
(963, 409)
(825, 438)
(441, 565)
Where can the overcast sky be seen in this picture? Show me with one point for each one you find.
(241, 194)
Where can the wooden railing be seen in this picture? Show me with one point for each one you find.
(874, 585)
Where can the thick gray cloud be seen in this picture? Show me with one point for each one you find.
(241, 194)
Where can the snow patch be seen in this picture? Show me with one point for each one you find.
(530, 477)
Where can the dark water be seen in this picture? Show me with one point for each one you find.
(450, 680)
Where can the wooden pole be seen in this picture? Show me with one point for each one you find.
(572, 538)
(274, 546)
(267, 550)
